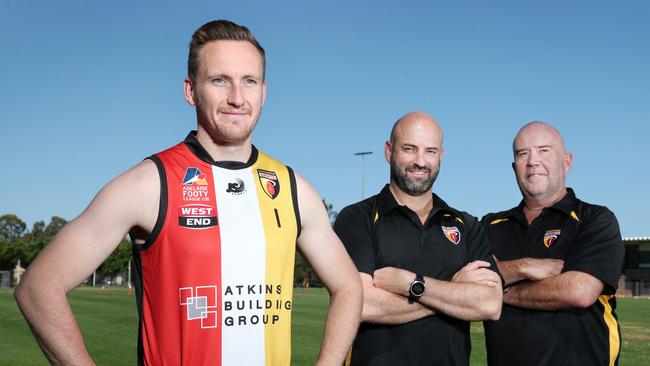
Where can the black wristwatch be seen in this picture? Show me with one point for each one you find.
(416, 289)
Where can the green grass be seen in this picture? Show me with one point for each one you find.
(109, 324)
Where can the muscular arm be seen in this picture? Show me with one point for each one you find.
(384, 307)
(473, 294)
(571, 289)
(75, 252)
(334, 267)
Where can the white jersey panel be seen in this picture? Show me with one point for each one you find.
(243, 267)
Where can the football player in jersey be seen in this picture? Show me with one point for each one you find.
(215, 223)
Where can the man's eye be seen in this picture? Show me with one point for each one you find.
(219, 81)
(250, 82)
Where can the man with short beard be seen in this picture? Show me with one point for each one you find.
(426, 268)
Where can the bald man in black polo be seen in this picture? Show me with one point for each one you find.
(560, 258)
(426, 268)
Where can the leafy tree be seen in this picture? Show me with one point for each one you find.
(16, 244)
(7, 254)
(11, 231)
(11, 227)
(56, 223)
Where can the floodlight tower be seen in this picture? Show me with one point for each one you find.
(363, 169)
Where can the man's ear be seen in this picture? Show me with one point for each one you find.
(387, 151)
(188, 92)
(568, 162)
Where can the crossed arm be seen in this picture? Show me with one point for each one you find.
(328, 257)
(539, 284)
(474, 293)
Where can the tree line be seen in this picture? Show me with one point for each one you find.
(17, 243)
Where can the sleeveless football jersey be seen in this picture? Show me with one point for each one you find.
(214, 280)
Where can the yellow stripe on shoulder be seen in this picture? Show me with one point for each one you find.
(575, 216)
(496, 221)
(374, 220)
(455, 218)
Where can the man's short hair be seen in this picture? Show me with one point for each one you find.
(219, 30)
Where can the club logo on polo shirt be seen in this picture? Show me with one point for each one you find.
(236, 187)
(452, 233)
(550, 237)
(269, 182)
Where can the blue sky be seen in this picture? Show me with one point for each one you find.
(90, 88)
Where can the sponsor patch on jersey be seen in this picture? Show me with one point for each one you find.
(236, 187)
(200, 304)
(270, 183)
(452, 233)
(194, 176)
(197, 216)
(550, 237)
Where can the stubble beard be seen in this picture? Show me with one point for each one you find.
(406, 184)
(222, 133)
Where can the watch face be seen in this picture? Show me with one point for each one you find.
(417, 288)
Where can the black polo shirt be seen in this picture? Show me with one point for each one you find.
(588, 239)
(378, 232)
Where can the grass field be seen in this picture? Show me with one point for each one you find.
(108, 322)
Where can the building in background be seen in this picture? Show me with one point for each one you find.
(636, 268)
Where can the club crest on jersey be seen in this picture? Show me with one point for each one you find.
(270, 183)
(452, 233)
(236, 187)
(550, 237)
(197, 216)
(193, 176)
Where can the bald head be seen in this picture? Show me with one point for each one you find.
(416, 120)
(539, 129)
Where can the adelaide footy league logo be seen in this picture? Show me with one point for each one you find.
(270, 183)
(452, 233)
(193, 176)
(550, 237)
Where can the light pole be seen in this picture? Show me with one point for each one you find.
(363, 169)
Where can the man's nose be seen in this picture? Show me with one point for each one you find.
(235, 97)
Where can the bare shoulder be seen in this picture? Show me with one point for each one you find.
(309, 202)
(130, 199)
(143, 173)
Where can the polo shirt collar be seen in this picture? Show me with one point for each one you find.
(567, 204)
(386, 202)
(200, 152)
